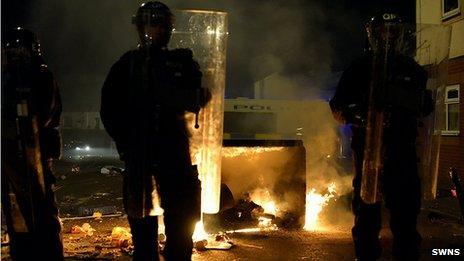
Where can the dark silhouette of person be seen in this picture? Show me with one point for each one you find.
(31, 109)
(386, 63)
(144, 99)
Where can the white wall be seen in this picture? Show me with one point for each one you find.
(457, 39)
(437, 38)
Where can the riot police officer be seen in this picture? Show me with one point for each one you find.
(144, 99)
(31, 109)
(402, 99)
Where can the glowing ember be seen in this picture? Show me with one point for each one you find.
(270, 207)
(314, 204)
(199, 234)
(230, 152)
(265, 223)
(253, 229)
(263, 198)
(245, 230)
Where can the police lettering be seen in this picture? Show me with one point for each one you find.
(252, 107)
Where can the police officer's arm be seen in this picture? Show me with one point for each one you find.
(189, 95)
(192, 100)
(339, 102)
(113, 109)
(349, 102)
(49, 113)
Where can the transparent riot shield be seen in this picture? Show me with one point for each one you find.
(391, 90)
(432, 52)
(205, 33)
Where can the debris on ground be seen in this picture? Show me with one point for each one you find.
(121, 236)
(219, 241)
(85, 229)
(5, 238)
(75, 169)
(110, 241)
(97, 215)
(111, 170)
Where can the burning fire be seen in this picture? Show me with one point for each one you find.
(265, 222)
(263, 198)
(314, 204)
(231, 152)
(206, 138)
(262, 227)
(199, 234)
(270, 207)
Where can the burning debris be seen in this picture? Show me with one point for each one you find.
(274, 178)
(245, 217)
(263, 198)
(203, 241)
(315, 202)
(199, 234)
(247, 213)
(231, 152)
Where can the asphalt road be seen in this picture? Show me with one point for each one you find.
(335, 244)
(90, 189)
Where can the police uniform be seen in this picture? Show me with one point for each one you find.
(143, 106)
(400, 184)
(28, 200)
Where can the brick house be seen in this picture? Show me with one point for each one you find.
(440, 49)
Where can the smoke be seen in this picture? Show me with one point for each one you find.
(82, 39)
(312, 119)
(322, 141)
(293, 46)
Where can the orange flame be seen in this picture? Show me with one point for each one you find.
(231, 152)
(263, 198)
(199, 233)
(315, 202)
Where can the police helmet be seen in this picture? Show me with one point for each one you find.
(387, 27)
(19, 37)
(153, 13)
(384, 18)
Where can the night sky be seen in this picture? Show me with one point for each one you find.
(81, 39)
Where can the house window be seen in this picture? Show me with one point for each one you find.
(452, 110)
(450, 8)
